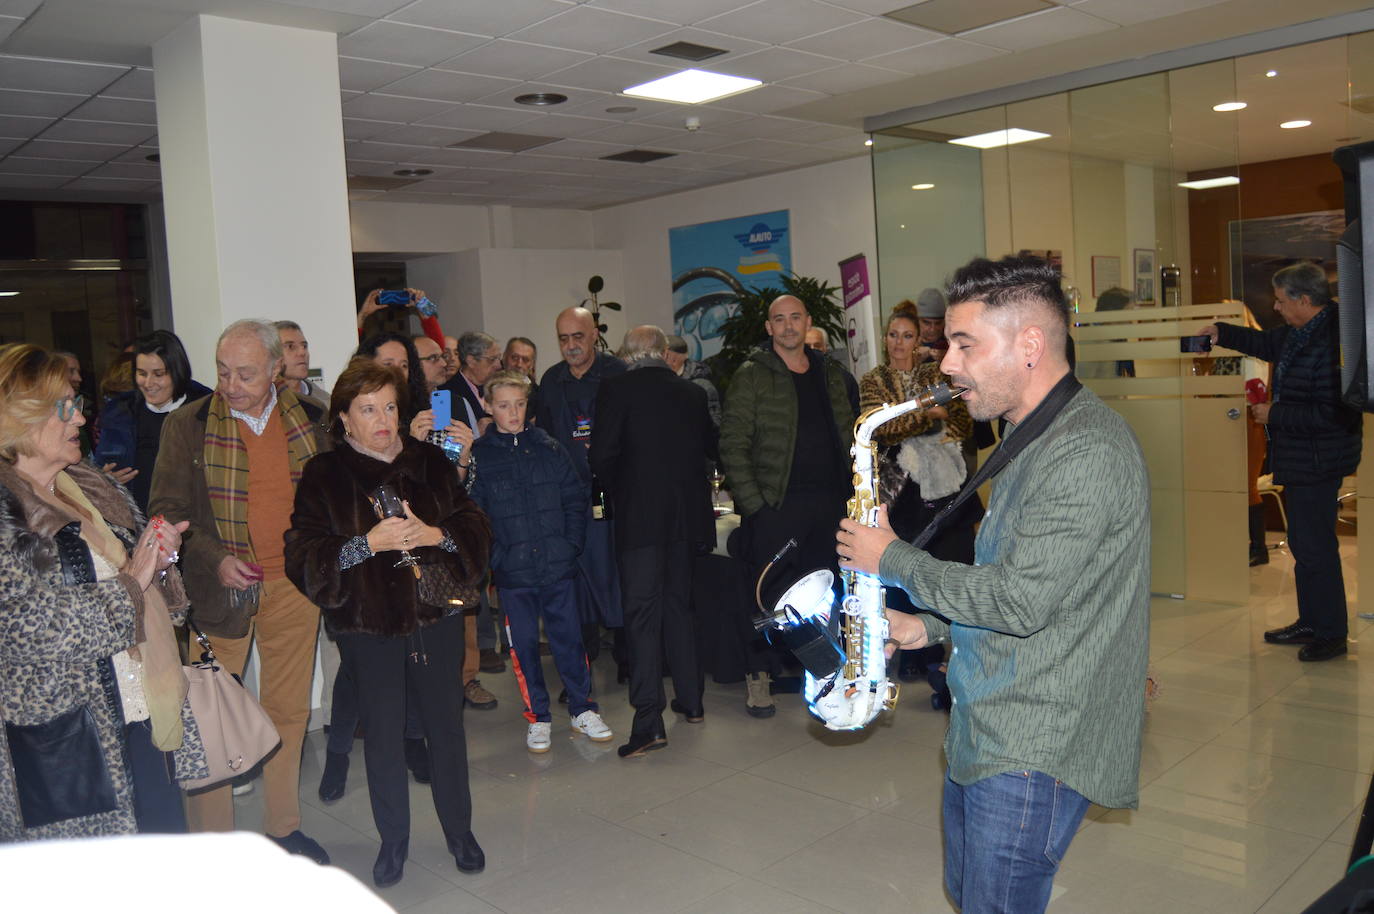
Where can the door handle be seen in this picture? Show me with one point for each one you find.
(1233, 413)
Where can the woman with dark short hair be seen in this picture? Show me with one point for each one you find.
(396, 624)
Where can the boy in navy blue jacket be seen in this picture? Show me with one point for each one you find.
(537, 504)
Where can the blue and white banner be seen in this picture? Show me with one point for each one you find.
(711, 261)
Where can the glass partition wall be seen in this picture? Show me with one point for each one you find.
(1169, 200)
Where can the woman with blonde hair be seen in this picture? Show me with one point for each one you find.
(97, 729)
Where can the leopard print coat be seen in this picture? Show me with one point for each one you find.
(56, 639)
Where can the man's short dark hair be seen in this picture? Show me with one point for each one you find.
(1304, 278)
(523, 340)
(1009, 282)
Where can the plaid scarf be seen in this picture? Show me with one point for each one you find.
(226, 466)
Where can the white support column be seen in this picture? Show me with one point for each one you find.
(254, 186)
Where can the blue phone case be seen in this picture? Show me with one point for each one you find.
(393, 297)
(441, 401)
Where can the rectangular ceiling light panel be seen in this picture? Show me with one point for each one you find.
(992, 140)
(692, 87)
(1205, 183)
(954, 16)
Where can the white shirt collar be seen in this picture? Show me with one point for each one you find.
(166, 407)
(258, 425)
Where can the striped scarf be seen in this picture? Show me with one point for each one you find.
(226, 466)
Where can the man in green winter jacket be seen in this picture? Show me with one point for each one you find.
(784, 440)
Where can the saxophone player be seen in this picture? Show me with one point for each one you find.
(1049, 629)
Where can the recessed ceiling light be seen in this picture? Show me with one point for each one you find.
(7, 294)
(621, 109)
(1205, 183)
(1229, 106)
(997, 138)
(541, 99)
(413, 172)
(922, 186)
(692, 87)
(1271, 73)
(868, 142)
(153, 157)
(1294, 125)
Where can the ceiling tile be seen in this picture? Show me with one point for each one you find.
(112, 185)
(584, 28)
(37, 104)
(514, 60)
(82, 152)
(397, 42)
(426, 135)
(608, 74)
(479, 117)
(749, 128)
(871, 7)
(683, 140)
(56, 75)
(356, 128)
(98, 132)
(460, 158)
(732, 44)
(704, 160)
(866, 39)
(953, 16)
(646, 135)
(775, 64)
(371, 8)
(769, 98)
(379, 107)
(848, 78)
(137, 154)
(19, 7)
(359, 75)
(118, 110)
(9, 145)
(781, 21)
(669, 10)
(564, 125)
(373, 151)
(644, 108)
(142, 171)
(446, 85)
(137, 83)
(945, 54)
(1039, 29)
(481, 18)
(711, 118)
(8, 24)
(820, 133)
(28, 166)
(776, 150)
(1129, 12)
(31, 182)
(581, 149)
(22, 127)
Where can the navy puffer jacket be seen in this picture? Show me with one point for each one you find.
(1313, 436)
(537, 505)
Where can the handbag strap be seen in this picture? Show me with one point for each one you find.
(207, 652)
(1030, 428)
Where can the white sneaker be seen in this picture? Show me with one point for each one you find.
(537, 740)
(590, 724)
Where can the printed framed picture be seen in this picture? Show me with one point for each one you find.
(1144, 263)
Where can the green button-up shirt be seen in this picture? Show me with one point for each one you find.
(1050, 627)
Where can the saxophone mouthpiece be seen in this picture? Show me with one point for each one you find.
(937, 395)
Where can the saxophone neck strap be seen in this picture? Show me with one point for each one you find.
(1030, 428)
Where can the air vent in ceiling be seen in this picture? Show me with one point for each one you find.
(375, 182)
(953, 16)
(685, 50)
(638, 155)
(505, 142)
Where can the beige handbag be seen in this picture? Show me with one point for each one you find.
(235, 729)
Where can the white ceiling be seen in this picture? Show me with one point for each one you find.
(77, 112)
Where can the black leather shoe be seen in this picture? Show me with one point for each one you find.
(391, 863)
(1259, 556)
(693, 717)
(641, 743)
(622, 673)
(1297, 633)
(1325, 649)
(417, 760)
(563, 697)
(467, 853)
(335, 777)
(298, 843)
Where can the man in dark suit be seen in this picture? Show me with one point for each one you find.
(478, 359)
(653, 438)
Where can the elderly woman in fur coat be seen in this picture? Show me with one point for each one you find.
(393, 591)
(97, 730)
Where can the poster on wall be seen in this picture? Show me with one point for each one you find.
(1262, 246)
(1106, 274)
(1144, 259)
(858, 314)
(712, 261)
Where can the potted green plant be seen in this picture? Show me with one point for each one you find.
(594, 287)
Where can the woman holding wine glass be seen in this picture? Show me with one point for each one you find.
(386, 542)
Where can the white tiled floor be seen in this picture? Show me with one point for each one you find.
(1255, 767)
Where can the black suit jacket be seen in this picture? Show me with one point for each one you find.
(653, 438)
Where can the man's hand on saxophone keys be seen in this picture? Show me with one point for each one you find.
(860, 547)
(904, 631)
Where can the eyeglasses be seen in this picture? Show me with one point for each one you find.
(69, 407)
(437, 357)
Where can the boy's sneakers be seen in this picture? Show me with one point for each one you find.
(537, 740)
(590, 724)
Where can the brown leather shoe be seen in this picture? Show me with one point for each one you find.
(490, 662)
(477, 697)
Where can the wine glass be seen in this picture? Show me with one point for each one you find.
(717, 480)
(387, 503)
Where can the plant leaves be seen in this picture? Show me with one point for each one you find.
(613, 305)
(602, 328)
(595, 284)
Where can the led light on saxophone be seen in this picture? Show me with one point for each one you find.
(846, 683)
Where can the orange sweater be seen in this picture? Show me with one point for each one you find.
(270, 495)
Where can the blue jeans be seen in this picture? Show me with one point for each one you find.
(1004, 838)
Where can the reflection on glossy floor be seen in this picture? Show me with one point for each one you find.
(1255, 769)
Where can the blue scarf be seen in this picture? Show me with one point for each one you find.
(1296, 342)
